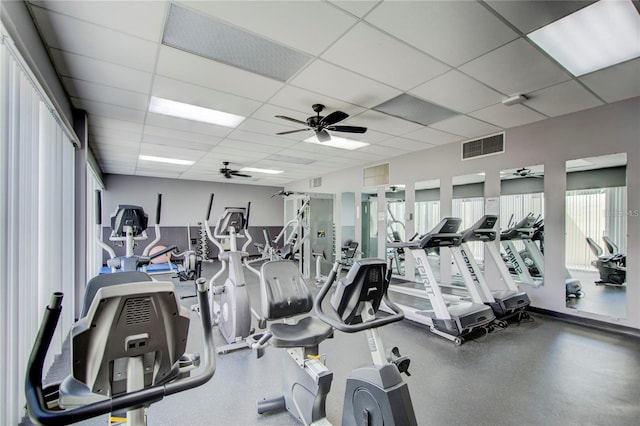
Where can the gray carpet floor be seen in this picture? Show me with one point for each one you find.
(544, 372)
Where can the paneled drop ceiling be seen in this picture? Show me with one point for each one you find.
(464, 57)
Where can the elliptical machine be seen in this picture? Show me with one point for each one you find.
(232, 314)
(374, 395)
(128, 226)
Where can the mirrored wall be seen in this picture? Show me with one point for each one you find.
(522, 222)
(596, 234)
(468, 205)
(369, 222)
(395, 227)
(427, 205)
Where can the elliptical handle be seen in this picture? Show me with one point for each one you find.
(210, 206)
(158, 208)
(246, 222)
(98, 207)
(397, 315)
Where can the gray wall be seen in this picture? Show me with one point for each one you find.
(608, 129)
(186, 201)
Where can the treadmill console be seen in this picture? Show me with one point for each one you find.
(521, 230)
(445, 234)
(482, 230)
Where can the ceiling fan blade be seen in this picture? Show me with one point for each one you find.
(237, 173)
(284, 117)
(348, 129)
(292, 131)
(323, 135)
(334, 117)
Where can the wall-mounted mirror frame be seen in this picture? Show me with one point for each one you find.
(596, 234)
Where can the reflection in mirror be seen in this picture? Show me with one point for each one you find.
(395, 232)
(349, 246)
(427, 214)
(369, 222)
(468, 205)
(521, 222)
(596, 233)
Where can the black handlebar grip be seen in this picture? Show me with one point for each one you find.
(210, 206)
(98, 207)
(158, 209)
(246, 223)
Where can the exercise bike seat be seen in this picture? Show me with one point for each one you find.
(285, 294)
(309, 331)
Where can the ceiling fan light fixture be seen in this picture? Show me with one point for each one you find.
(193, 112)
(257, 170)
(338, 142)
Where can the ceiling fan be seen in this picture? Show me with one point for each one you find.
(320, 124)
(229, 173)
(525, 172)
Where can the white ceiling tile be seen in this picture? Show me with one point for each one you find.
(615, 83)
(165, 132)
(301, 100)
(374, 54)
(271, 128)
(458, 92)
(160, 120)
(100, 93)
(180, 91)
(384, 123)
(268, 112)
(108, 110)
(247, 136)
(356, 7)
(432, 136)
(162, 173)
(248, 146)
(507, 116)
(405, 144)
(232, 154)
(88, 69)
(384, 150)
(112, 140)
(452, 31)
(96, 41)
(339, 83)
(516, 68)
(309, 26)
(143, 19)
(465, 126)
(563, 98)
(179, 143)
(98, 123)
(204, 72)
(530, 15)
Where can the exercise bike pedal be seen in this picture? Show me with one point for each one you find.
(401, 362)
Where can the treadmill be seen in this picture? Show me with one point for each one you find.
(503, 296)
(451, 320)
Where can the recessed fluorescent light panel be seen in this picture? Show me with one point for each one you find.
(205, 36)
(414, 109)
(166, 160)
(265, 171)
(337, 142)
(602, 34)
(193, 112)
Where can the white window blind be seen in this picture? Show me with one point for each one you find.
(36, 222)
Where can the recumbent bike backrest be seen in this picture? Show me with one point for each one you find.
(283, 291)
(367, 281)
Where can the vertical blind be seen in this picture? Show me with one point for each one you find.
(36, 222)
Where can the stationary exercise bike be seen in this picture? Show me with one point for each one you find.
(612, 268)
(127, 352)
(375, 395)
(233, 313)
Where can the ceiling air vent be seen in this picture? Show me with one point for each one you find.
(315, 182)
(375, 175)
(481, 147)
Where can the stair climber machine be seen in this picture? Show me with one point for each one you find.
(128, 226)
(233, 313)
(128, 351)
(528, 264)
(612, 267)
(503, 296)
(451, 319)
(374, 395)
